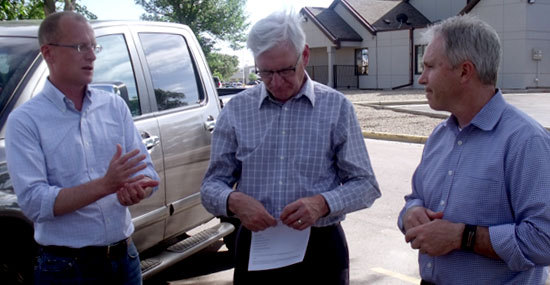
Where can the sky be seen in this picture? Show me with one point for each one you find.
(255, 9)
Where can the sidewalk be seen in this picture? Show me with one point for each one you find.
(536, 105)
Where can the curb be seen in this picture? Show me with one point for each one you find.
(394, 137)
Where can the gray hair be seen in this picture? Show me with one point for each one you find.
(282, 27)
(469, 38)
(49, 31)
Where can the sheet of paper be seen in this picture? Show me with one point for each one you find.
(277, 247)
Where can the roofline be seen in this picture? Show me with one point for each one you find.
(324, 30)
(468, 7)
(355, 14)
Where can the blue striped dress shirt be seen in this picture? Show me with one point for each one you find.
(494, 173)
(50, 146)
(278, 153)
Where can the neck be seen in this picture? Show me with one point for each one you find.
(75, 93)
(472, 101)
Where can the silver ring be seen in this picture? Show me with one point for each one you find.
(299, 222)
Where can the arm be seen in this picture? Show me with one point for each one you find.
(359, 188)
(223, 172)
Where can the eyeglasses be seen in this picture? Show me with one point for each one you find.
(285, 72)
(82, 48)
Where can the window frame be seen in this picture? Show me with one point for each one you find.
(419, 64)
(359, 52)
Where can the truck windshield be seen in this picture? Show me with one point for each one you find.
(16, 55)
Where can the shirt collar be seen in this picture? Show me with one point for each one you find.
(307, 90)
(58, 98)
(487, 118)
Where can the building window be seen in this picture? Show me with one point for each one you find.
(362, 61)
(419, 53)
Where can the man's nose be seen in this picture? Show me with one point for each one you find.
(422, 79)
(276, 78)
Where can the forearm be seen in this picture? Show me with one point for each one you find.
(483, 244)
(71, 199)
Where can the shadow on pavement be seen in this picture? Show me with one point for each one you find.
(208, 261)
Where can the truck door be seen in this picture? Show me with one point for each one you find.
(118, 67)
(185, 121)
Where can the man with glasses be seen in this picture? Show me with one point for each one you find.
(289, 153)
(77, 162)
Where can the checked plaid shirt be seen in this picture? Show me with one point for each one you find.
(278, 153)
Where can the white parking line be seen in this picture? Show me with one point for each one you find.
(399, 276)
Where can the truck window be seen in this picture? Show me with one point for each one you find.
(172, 70)
(16, 55)
(114, 72)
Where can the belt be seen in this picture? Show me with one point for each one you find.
(112, 251)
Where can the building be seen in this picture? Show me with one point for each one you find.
(378, 44)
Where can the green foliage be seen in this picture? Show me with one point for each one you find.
(21, 10)
(222, 65)
(35, 9)
(252, 76)
(211, 21)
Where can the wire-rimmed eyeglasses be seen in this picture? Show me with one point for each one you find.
(82, 48)
(285, 72)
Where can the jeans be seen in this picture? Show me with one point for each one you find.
(125, 269)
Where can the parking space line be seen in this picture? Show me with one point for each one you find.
(399, 276)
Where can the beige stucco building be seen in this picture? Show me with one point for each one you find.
(377, 44)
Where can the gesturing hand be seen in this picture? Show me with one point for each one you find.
(133, 192)
(122, 167)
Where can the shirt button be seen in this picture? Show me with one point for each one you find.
(459, 142)
(283, 132)
(280, 182)
(429, 265)
(286, 108)
(442, 203)
(282, 157)
(450, 172)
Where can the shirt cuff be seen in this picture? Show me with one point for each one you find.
(506, 246)
(48, 203)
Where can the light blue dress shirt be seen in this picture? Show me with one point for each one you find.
(278, 153)
(494, 173)
(50, 146)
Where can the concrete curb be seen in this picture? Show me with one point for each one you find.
(394, 137)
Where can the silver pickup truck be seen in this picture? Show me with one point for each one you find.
(161, 73)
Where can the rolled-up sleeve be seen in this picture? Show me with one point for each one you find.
(526, 243)
(27, 168)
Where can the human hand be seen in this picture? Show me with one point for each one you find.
(304, 212)
(122, 167)
(250, 211)
(417, 216)
(435, 238)
(135, 191)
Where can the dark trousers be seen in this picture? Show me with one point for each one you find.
(56, 267)
(326, 261)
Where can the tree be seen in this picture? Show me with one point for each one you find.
(252, 76)
(211, 21)
(222, 65)
(38, 9)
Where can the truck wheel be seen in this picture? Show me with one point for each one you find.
(18, 254)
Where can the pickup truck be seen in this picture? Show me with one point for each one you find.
(161, 73)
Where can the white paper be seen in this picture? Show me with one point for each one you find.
(277, 247)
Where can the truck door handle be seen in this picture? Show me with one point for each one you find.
(149, 141)
(210, 124)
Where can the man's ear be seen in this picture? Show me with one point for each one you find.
(47, 53)
(467, 71)
(305, 55)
